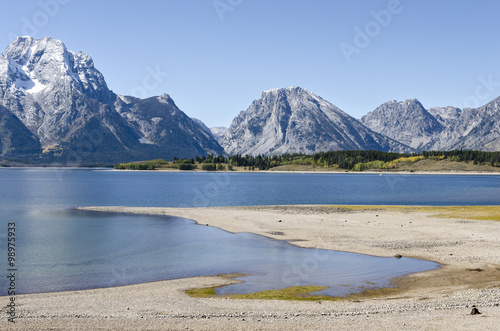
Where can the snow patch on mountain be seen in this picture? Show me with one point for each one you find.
(29, 86)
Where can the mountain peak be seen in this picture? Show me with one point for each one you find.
(404, 121)
(291, 90)
(56, 98)
(413, 101)
(25, 49)
(294, 120)
(285, 89)
(35, 63)
(165, 98)
(295, 95)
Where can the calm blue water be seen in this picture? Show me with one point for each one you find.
(58, 248)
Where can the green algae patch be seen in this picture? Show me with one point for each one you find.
(300, 293)
(293, 293)
(296, 293)
(206, 292)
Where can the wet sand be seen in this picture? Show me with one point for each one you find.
(468, 249)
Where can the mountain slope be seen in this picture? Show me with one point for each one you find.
(202, 125)
(294, 120)
(64, 101)
(15, 138)
(160, 122)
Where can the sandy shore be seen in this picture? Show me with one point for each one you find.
(435, 300)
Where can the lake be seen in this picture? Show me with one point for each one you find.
(59, 248)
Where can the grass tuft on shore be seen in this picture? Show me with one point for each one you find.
(481, 213)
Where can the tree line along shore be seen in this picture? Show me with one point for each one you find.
(356, 160)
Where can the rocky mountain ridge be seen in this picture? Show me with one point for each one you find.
(294, 120)
(407, 122)
(439, 128)
(55, 106)
(63, 100)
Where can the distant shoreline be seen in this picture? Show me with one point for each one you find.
(385, 172)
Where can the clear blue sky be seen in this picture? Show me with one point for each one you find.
(215, 62)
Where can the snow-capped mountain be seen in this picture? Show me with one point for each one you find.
(294, 120)
(64, 101)
(39, 66)
(41, 82)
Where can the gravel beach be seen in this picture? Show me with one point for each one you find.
(442, 299)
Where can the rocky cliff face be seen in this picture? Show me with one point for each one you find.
(446, 116)
(43, 84)
(64, 101)
(202, 125)
(439, 128)
(477, 129)
(160, 122)
(294, 120)
(218, 132)
(407, 122)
